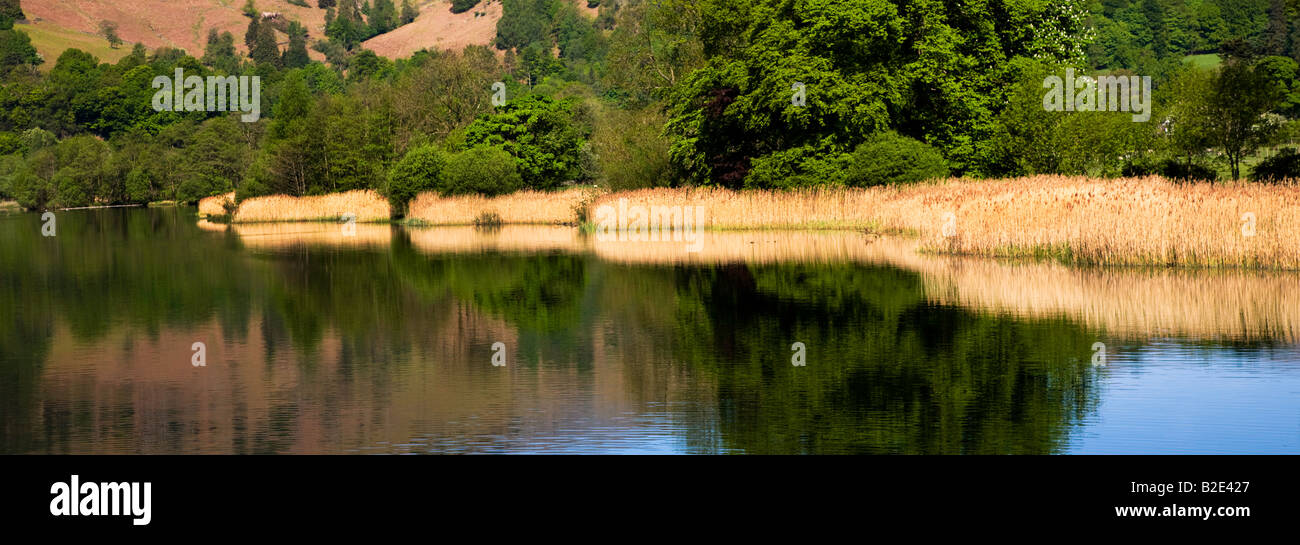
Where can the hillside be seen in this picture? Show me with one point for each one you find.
(55, 25)
(437, 27)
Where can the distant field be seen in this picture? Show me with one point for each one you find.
(51, 41)
(1208, 60)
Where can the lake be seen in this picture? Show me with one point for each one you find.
(320, 339)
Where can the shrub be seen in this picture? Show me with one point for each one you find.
(890, 158)
(486, 170)
(461, 6)
(805, 166)
(1285, 165)
(421, 169)
(1172, 169)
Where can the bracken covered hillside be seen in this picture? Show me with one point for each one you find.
(55, 25)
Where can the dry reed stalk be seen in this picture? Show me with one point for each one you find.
(215, 205)
(523, 207)
(368, 206)
(1133, 221)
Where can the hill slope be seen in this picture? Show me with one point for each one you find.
(438, 28)
(58, 24)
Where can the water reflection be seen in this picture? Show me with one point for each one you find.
(320, 341)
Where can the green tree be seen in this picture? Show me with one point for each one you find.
(16, 49)
(784, 88)
(252, 32)
(541, 133)
(410, 12)
(383, 17)
(420, 170)
(265, 50)
(525, 22)
(1240, 94)
(460, 6)
(220, 53)
(483, 170)
(12, 10)
(296, 55)
(108, 29)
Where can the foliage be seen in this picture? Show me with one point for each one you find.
(525, 22)
(16, 49)
(461, 6)
(892, 159)
(1283, 166)
(864, 66)
(1174, 169)
(544, 136)
(483, 170)
(108, 29)
(11, 10)
(409, 12)
(630, 149)
(421, 169)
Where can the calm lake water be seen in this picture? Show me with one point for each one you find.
(319, 341)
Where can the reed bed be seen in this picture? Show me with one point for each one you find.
(837, 208)
(1145, 221)
(1132, 221)
(210, 207)
(523, 207)
(367, 205)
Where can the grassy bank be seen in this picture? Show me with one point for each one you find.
(1135, 221)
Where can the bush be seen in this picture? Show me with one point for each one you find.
(1283, 166)
(420, 170)
(486, 170)
(890, 158)
(1172, 169)
(461, 6)
(804, 166)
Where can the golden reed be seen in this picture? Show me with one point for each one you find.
(1131, 221)
(366, 205)
(216, 205)
(523, 207)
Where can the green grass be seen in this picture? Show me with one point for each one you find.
(51, 41)
(1207, 60)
